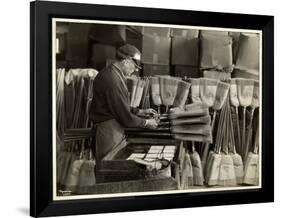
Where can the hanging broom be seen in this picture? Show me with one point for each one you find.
(237, 159)
(212, 167)
(195, 93)
(168, 91)
(245, 94)
(252, 164)
(132, 85)
(235, 103)
(198, 178)
(155, 92)
(219, 100)
(227, 173)
(182, 94)
(254, 105)
(207, 90)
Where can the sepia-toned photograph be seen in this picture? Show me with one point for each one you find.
(151, 109)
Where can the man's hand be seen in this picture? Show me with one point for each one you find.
(151, 124)
(148, 113)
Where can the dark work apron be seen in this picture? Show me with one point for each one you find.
(109, 134)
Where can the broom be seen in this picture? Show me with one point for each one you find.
(235, 103)
(214, 158)
(252, 164)
(245, 93)
(220, 97)
(155, 92)
(182, 94)
(207, 91)
(73, 176)
(186, 114)
(139, 92)
(168, 90)
(193, 137)
(227, 173)
(192, 120)
(198, 178)
(254, 105)
(132, 85)
(195, 93)
(87, 176)
(187, 173)
(237, 159)
(196, 129)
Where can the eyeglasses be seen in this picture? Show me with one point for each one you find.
(136, 63)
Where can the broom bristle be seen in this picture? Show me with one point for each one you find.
(73, 177)
(251, 169)
(226, 172)
(238, 167)
(198, 178)
(208, 165)
(214, 169)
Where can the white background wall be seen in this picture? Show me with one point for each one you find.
(14, 116)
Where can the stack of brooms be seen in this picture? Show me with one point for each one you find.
(224, 166)
(72, 162)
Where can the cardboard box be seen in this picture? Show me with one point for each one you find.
(216, 51)
(185, 51)
(214, 32)
(187, 33)
(152, 70)
(156, 50)
(156, 31)
(188, 71)
(248, 54)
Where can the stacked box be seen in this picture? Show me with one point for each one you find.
(216, 51)
(156, 50)
(156, 31)
(214, 32)
(185, 51)
(248, 54)
(187, 33)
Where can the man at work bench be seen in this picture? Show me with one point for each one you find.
(110, 110)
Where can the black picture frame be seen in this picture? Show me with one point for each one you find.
(41, 185)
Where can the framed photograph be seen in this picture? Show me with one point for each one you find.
(140, 109)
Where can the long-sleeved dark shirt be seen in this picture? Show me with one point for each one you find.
(111, 99)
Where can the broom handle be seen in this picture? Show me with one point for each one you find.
(238, 130)
(249, 134)
(226, 120)
(256, 143)
(193, 146)
(213, 120)
(243, 129)
(232, 137)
